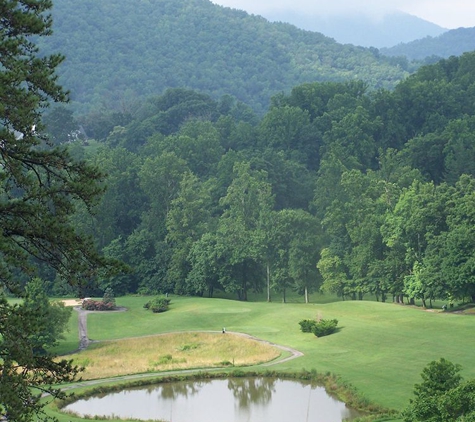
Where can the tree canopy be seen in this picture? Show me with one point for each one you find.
(337, 187)
(442, 396)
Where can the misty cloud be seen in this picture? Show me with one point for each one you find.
(448, 14)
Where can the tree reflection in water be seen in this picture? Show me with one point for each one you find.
(249, 391)
(173, 390)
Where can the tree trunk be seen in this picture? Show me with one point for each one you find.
(306, 294)
(243, 293)
(283, 296)
(268, 284)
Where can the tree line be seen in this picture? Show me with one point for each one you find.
(337, 187)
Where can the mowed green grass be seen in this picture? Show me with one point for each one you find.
(381, 348)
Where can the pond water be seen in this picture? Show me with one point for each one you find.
(230, 400)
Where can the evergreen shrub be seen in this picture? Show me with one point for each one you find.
(325, 327)
(307, 325)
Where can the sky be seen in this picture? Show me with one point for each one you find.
(448, 14)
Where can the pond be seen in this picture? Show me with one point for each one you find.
(229, 400)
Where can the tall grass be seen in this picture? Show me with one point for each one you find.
(171, 352)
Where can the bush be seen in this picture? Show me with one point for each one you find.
(307, 325)
(325, 327)
(97, 305)
(109, 297)
(158, 304)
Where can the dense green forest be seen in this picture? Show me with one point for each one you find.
(120, 51)
(451, 43)
(337, 187)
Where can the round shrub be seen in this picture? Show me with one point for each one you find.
(158, 304)
(325, 327)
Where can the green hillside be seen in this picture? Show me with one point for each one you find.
(450, 43)
(118, 50)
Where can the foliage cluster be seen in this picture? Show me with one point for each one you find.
(321, 328)
(442, 396)
(307, 325)
(48, 319)
(109, 297)
(325, 327)
(158, 304)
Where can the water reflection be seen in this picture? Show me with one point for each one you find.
(173, 390)
(232, 400)
(249, 391)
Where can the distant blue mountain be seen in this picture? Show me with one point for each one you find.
(360, 29)
(451, 43)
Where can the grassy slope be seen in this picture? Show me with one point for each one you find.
(380, 349)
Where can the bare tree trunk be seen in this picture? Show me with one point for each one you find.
(306, 294)
(268, 283)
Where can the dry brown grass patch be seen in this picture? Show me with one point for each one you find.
(171, 351)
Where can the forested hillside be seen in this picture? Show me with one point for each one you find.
(336, 187)
(120, 50)
(451, 43)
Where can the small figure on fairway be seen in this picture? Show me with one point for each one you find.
(224, 330)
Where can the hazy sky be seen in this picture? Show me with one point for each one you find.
(446, 13)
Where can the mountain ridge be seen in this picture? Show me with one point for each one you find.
(451, 43)
(119, 50)
(361, 29)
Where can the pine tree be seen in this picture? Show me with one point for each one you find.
(39, 189)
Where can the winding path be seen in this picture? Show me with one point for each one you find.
(84, 342)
